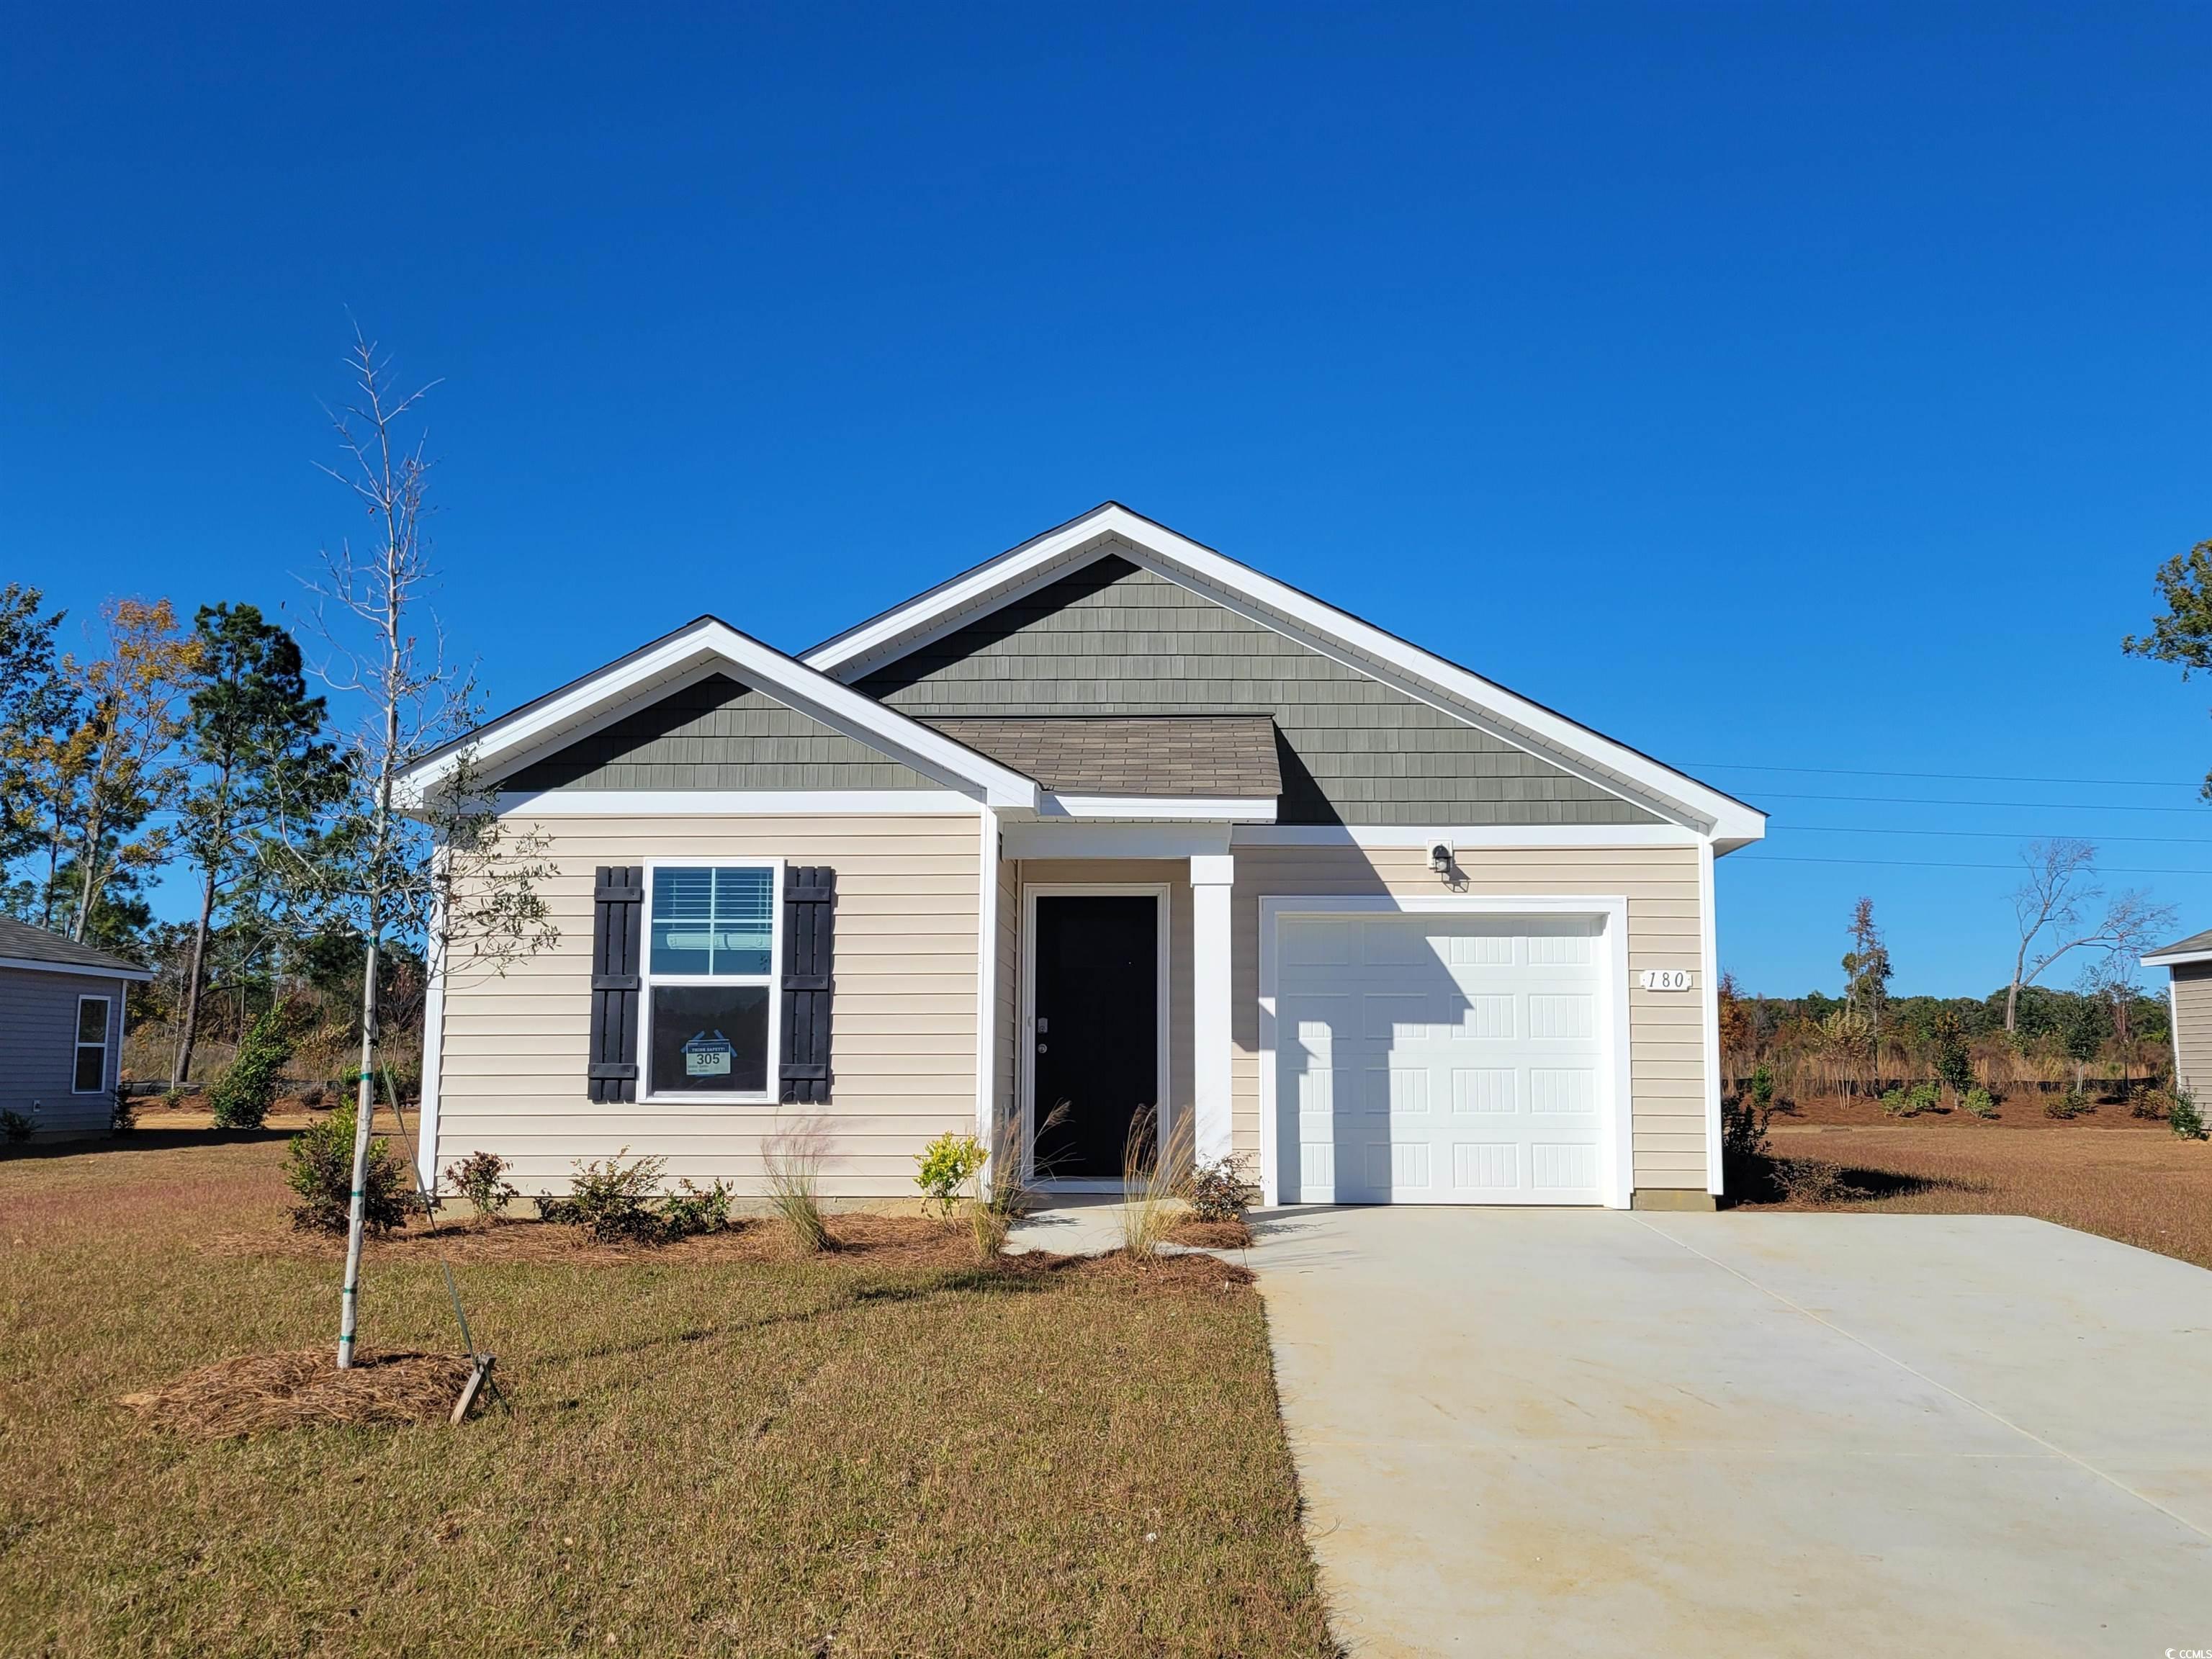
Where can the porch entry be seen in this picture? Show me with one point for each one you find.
(1096, 1031)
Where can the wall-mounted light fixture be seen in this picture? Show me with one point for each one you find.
(1440, 858)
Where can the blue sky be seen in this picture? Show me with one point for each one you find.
(1766, 386)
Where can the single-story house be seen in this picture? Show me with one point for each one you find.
(60, 1029)
(1111, 822)
(2188, 963)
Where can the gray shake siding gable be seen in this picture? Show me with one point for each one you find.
(717, 734)
(1113, 638)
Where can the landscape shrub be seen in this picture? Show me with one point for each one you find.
(2070, 1104)
(319, 1168)
(1954, 1062)
(1910, 1102)
(312, 1096)
(241, 1096)
(611, 1200)
(1979, 1102)
(15, 1128)
(1813, 1180)
(2183, 1117)
(947, 1164)
(479, 1178)
(1219, 1191)
(122, 1111)
(690, 1210)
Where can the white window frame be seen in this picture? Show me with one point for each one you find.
(78, 1045)
(772, 978)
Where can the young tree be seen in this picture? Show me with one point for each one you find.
(253, 733)
(93, 781)
(2136, 926)
(31, 701)
(446, 872)
(2182, 633)
(1867, 975)
(2047, 906)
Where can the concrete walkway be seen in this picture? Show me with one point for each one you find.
(1549, 1431)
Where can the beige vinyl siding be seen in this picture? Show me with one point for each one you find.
(38, 1049)
(1666, 1062)
(902, 1023)
(2192, 1029)
(1175, 873)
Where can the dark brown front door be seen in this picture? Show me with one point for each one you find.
(1098, 1033)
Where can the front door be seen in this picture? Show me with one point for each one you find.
(1097, 1037)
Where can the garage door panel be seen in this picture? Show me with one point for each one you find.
(1472, 1073)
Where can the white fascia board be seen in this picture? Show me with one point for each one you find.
(1728, 822)
(26, 964)
(2163, 959)
(1475, 839)
(732, 803)
(689, 654)
(1165, 809)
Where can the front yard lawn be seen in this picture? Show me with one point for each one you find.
(2139, 1185)
(707, 1452)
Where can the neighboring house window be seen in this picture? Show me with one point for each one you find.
(710, 1001)
(91, 1045)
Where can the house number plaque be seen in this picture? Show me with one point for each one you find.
(1666, 979)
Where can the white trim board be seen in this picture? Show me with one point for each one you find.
(1165, 809)
(2159, 959)
(26, 964)
(708, 645)
(1618, 1177)
(1025, 1020)
(1376, 653)
(1061, 838)
(732, 803)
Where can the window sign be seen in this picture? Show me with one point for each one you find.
(707, 1054)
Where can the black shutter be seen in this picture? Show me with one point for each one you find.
(809, 905)
(617, 925)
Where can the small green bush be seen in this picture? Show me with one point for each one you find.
(611, 1200)
(1219, 1191)
(690, 1210)
(2183, 1117)
(15, 1128)
(947, 1164)
(479, 1178)
(319, 1168)
(241, 1096)
(122, 1111)
(2070, 1104)
(1979, 1102)
(1910, 1102)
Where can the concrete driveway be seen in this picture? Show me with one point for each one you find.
(1552, 1431)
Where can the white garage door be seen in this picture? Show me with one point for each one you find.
(1432, 1060)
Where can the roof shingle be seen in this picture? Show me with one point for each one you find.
(24, 943)
(1166, 755)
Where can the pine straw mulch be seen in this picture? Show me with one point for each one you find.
(256, 1393)
(897, 1241)
(1210, 1235)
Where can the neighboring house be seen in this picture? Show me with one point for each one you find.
(60, 1029)
(1109, 820)
(2188, 963)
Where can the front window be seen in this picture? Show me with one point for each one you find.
(709, 984)
(91, 1045)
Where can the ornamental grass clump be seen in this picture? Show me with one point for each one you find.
(793, 1157)
(1156, 1180)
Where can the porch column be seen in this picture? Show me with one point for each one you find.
(1210, 874)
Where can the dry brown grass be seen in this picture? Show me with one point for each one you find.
(1210, 1235)
(713, 1449)
(2135, 1183)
